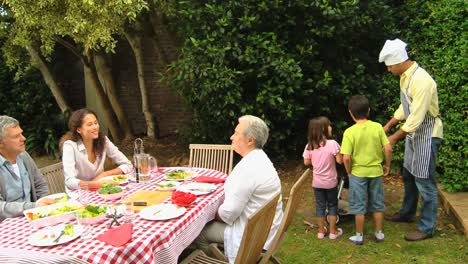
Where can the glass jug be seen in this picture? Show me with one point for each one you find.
(144, 166)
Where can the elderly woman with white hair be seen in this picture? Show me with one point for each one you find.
(21, 183)
(252, 183)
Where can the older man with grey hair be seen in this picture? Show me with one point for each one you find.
(251, 184)
(21, 183)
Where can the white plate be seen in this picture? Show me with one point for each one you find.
(112, 178)
(162, 212)
(41, 238)
(162, 186)
(197, 188)
(56, 197)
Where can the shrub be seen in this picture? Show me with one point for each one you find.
(284, 61)
(437, 35)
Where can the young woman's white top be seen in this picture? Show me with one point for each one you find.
(76, 165)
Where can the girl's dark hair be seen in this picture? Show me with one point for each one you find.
(76, 121)
(318, 132)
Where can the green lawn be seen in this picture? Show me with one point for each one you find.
(302, 246)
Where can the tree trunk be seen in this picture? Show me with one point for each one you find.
(38, 62)
(135, 41)
(105, 73)
(90, 71)
(87, 60)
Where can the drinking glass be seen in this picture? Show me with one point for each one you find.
(128, 211)
(84, 224)
(188, 169)
(84, 194)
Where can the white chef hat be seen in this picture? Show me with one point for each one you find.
(393, 52)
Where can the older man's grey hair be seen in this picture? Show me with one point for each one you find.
(5, 123)
(256, 129)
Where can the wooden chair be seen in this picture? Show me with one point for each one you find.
(255, 235)
(295, 197)
(217, 157)
(53, 175)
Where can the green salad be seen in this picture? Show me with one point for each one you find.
(120, 178)
(56, 211)
(69, 230)
(177, 175)
(91, 211)
(165, 185)
(108, 188)
(64, 198)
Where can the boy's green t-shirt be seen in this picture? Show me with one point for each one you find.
(364, 143)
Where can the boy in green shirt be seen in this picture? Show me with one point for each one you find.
(363, 156)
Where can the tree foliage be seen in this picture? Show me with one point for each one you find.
(29, 101)
(284, 61)
(83, 27)
(90, 23)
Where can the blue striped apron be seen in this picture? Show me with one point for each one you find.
(417, 144)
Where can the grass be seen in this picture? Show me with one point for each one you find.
(301, 245)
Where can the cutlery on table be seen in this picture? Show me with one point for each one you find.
(200, 190)
(67, 230)
(157, 212)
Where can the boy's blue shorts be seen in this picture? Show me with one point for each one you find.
(365, 195)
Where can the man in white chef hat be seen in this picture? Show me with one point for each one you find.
(422, 131)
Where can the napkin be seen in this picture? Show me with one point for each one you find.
(117, 236)
(182, 199)
(209, 179)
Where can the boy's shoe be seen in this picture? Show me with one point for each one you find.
(358, 239)
(321, 235)
(379, 236)
(337, 234)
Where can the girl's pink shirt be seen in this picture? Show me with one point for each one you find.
(323, 164)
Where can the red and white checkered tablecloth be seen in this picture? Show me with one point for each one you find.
(161, 241)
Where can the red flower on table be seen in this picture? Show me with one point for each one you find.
(183, 199)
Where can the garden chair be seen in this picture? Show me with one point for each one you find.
(217, 157)
(53, 175)
(295, 197)
(254, 237)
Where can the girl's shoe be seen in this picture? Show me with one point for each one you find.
(322, 234)
(337, 234)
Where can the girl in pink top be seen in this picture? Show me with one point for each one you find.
(321, 153)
